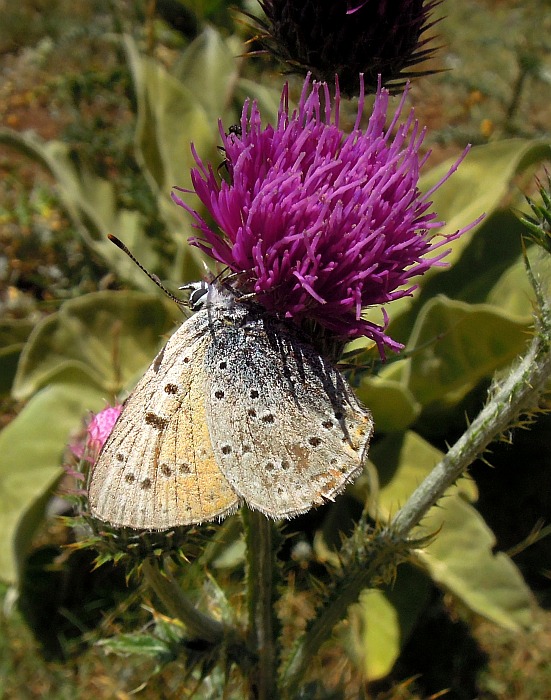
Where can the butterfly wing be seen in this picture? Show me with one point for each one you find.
(285, 426)
(157, 469)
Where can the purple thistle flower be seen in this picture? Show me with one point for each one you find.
(318, 223)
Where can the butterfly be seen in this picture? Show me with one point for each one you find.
(236, 408)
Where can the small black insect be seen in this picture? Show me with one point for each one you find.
(237, 131)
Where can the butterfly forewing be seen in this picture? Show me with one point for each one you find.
(157, 469)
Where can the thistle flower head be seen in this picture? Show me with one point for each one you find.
(321, 224)
(376, 37)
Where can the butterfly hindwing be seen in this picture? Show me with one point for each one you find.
(285, 426)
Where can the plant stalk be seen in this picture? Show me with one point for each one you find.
(515, 395)
(262, 622)
(198, 624)
(381, 555)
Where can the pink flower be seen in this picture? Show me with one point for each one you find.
(97, 431)
(318, 223)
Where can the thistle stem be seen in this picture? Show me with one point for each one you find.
(331, 612)
(262, 622)
(198, 624)
(518, 393)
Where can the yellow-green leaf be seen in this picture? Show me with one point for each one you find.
(31, 455)
(107, 336)
(460, 344)
(382, 621)
(393, 406)
(461, 559)
(480, 183)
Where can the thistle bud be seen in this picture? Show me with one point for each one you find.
(373, 37)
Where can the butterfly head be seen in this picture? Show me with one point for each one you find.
(204, 294)
(198, 295)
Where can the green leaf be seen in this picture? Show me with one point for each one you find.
(170, 119)
(480, 184)
(209, 70)
(163, 645)
(90, 203)
(512, 292)
(393, 406)
(461, 559)
(107, 336)
(232, 556)
(395, 371)
(496, 245)
(403, 461)
(140, 644)
(14, 332)
(460, 344)
(460, 556)
(267, 97)
(182, 108)
(382, 622)
(31, 449)
(13, 335)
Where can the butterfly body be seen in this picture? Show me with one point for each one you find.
(236, 408)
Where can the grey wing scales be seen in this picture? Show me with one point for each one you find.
(286, 428)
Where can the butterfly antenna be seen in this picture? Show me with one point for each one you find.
(152, 277)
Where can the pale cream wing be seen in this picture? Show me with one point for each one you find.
(157, 469)
(285, 425)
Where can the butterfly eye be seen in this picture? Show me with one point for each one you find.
(197, 295)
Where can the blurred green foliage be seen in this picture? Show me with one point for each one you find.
(464, 324)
